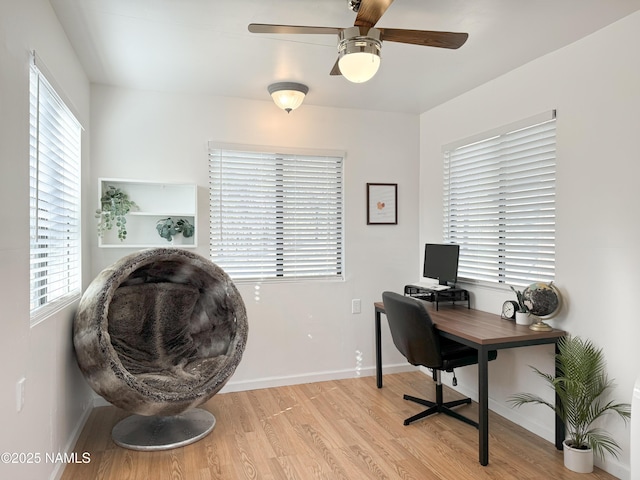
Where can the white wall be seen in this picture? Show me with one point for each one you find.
(594, 85)
(56, 396)
(298, 331)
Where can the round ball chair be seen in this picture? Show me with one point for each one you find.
(158, 333)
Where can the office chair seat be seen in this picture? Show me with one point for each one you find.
(418, 340)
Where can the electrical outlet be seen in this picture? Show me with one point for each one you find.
(20, 388)
(356, 305)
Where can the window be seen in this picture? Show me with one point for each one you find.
(276, 216)
(54, 170)
(499, 203)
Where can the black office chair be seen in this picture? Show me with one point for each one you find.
(417, 339)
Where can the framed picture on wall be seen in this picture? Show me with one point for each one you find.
(382, 203)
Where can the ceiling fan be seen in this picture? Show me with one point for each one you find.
(359, 46)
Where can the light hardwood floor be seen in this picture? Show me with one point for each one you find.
(344, 429)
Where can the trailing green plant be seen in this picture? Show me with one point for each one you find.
(520, 297)
(581, 385)
(167, 228)
(114, 206)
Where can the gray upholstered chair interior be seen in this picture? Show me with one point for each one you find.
(160, 332)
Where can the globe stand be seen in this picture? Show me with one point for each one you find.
(539, 325)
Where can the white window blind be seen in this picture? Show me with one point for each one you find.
(499, 203)
(54, 169)
(276, 216)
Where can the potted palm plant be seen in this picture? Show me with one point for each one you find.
(581, 385)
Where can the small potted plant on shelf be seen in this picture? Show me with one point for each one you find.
(522, 315)
(168, 228)
(580, 385)
(115, 204)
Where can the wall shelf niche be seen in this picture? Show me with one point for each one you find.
(156, 201)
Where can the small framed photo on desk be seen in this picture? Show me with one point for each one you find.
(382, 203)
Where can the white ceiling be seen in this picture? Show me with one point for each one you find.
(203, 46)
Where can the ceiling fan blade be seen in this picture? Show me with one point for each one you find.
(295, 29)
(424, 37)
(370, 12)
(336, 69)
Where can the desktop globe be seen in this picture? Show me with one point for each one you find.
(543, 301)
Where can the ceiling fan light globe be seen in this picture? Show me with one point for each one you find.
(359, 55)
(359, 67)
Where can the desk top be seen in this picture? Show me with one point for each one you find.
(484, 328)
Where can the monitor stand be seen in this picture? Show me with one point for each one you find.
(450, 295)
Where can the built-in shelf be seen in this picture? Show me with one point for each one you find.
(155, 202)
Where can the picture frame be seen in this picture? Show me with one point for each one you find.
(382, 203)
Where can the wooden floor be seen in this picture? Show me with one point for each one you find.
(336, 430)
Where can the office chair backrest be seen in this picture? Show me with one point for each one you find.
(412, 330)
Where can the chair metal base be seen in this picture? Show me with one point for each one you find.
(444, 407)
(439, 406)
(139, 432)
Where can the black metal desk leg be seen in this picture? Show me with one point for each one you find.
(483, 405)
(378, 351)
(560, 433)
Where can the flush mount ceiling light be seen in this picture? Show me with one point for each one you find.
(288, 95)
(358, 55)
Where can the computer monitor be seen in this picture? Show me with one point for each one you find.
(441, 262)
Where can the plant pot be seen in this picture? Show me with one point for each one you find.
(523, 318)
(578, 460)
(178, 239)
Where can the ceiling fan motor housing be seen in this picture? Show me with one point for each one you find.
(350, 41)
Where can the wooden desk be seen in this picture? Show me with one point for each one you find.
(484, 332)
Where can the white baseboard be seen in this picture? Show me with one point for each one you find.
(281, 381)
(57, 472)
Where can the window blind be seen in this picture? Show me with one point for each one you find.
(54, 170)
(499, 204)
(276, 216)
